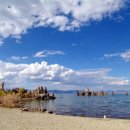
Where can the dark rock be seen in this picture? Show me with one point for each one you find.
(50, 112)
(52, 96)
(43, 110)
(2, 86)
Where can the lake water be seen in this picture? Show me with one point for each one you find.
(117, 106)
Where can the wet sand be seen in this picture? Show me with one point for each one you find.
(14, 119)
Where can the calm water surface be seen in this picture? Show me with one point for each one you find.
(117, 106)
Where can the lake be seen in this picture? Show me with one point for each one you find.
(117, 106)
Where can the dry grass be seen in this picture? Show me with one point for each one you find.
(10, 100)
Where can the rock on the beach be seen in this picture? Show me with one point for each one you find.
(50, 112)
(43, 110)
(24, 109)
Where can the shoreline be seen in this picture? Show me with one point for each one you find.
(14, 119)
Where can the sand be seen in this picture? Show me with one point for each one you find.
(14, 119)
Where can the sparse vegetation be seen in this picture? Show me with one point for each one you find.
(2, 93)
(10, 100)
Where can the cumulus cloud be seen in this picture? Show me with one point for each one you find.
(16, 17)
(123, 55)
(46, 53)
(53, 75)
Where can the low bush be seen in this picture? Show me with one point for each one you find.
(27, 95)
(10, 100)
(2, 93)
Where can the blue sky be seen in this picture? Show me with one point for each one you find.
(69, 50)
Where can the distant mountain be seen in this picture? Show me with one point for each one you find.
(62, 91)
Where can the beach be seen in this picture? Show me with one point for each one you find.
(14, 119)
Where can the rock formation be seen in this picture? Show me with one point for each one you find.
(87, 92)
(113, 93)
(2, 86)
(42, 93)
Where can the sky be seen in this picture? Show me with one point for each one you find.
(65, 45)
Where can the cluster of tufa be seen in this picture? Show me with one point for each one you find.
(42, 93)
(87, 92)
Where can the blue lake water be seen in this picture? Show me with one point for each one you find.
(117, 106)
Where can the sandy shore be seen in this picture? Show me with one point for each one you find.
(14, 119)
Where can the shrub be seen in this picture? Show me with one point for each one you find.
(2, 93)
(10, 100)
(26, 95)
(22, 91)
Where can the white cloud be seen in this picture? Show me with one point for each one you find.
(46, 53)
(16, 17)
(18, 58)
(56, 75)
(118, 18)
(1, 41)
(123, 55)
(73, 45)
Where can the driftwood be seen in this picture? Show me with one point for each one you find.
(29, 109)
